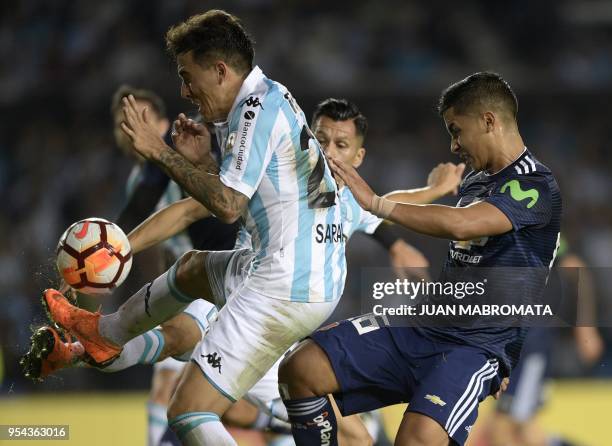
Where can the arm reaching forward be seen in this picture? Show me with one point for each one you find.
(443, 180)
(166, 223)
(466, 223)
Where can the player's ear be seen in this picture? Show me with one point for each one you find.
(489, 120)
(359, 156)
(221, 69)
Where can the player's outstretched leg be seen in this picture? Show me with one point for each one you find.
(103, 336)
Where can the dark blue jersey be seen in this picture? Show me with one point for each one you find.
(527, 193)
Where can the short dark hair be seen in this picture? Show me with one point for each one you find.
(342, 110)
(140, 94)
(483, 89)
(214, 33)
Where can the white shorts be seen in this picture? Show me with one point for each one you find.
(252, 331)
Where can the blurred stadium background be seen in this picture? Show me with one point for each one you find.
(63, 59)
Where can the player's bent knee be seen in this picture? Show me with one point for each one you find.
(420, 430)
(307, 372)
(190, 266)
(181, 334)
(191, 277)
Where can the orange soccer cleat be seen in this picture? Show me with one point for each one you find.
(48, 352)
(82, 324)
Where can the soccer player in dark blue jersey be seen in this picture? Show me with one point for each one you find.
(508, 215)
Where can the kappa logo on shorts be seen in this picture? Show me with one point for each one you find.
(214, 360)
(435, 399)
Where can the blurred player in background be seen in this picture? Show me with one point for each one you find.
(513, 423)
(443, 372)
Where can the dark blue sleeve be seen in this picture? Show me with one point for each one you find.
(524, 199)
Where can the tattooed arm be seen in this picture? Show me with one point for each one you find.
(193, 168)
(202, 183)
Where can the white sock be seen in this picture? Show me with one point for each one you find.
(157, 423)
(143, 349)
(153, 304)
(201, 428)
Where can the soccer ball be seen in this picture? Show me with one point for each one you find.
(94, 256)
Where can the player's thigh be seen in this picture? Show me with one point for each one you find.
(369, 371)
(420, 430)
(306, 372)
(195, 393)
(212, 275)
(181, 334)
(265, 394)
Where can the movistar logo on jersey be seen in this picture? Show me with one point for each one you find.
(518, 194)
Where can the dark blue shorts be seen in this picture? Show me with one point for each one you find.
(525, 394)
(378, 366)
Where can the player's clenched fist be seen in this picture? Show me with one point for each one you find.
(446, 177)
(141, 130)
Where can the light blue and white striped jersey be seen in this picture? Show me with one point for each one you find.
(295, 223)
(354, 217)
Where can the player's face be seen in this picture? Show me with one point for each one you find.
(203, 86)
(469, 138)
(339, 140)
(123, 141)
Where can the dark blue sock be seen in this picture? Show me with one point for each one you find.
(313, 421)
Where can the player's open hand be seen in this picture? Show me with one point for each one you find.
(446, 177)
(362, 192)
(141, 130)
(191, 139)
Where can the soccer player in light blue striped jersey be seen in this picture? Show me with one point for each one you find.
(274, 176)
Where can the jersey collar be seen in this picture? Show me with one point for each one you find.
(248, 86)
(524, 153)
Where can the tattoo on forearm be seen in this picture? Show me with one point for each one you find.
(201, 182)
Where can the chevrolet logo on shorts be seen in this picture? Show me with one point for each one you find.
(435, 399)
